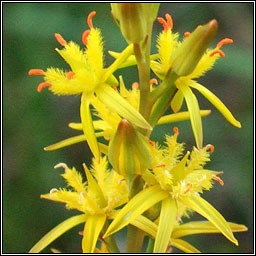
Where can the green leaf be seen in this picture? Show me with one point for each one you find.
(166, 224)
(202, 207)
(92, 229)
(57, 232)
(136, 206)
(194, 113)
(216, 102)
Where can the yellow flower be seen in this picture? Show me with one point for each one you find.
(108, 121)
(96, 199)
(169, 49)
(88, 77)
(176, 182)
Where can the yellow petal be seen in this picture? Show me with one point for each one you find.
(166, 223)
(65, 143)
(74, 179)
(194, 113)
(118, 62)
(177, 101)
(216, 102)
(57, 232)
(202, 227)
(73, 55)
(94, 52)
(119, 105)
(98, 125)
(202, 207)
(181, 116)
(184, 246)
(94, 188)
(92, 229)
(136, 206)
(88, 126)
(145, 224)
(60, 84)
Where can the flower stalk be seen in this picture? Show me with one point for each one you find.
(134, 181)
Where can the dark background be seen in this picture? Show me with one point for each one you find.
(34, 120)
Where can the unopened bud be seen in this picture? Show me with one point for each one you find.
(187, 56)
(133, 23)
(129, 151)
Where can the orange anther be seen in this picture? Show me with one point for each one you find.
(164, 23)
(63, 165)
(35, 72)
(81, 233)
(176, 130)
(224, 41)
(153, 81)
(89, 18)
(152, 143)
(42, 85)
(169, 21)
(70, 74)
(220, 52)
(115, 88)
(135, 85)
(188, 189)
(121, 180)
(199, 26)
(60, 39)
(211, 147)
(160, 166)
(219, 180)
(85, 36)
(187, 34)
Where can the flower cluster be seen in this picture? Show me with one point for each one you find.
(134, 181)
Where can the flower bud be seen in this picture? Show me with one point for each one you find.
(133, 23)
(189, 53)
(129, 151)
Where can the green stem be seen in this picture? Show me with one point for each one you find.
(135, 238)
(151, 243)
(110, 241)
(163, 102)
(143, 62)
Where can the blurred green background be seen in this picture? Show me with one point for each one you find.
(34, 120)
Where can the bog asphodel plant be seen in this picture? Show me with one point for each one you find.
(134, 181)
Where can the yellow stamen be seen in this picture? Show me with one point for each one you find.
(60, 39)
(187, 34)
(42, 85)
(211, 147)
(89, 18)
(220, 52)
(224, 41)
(188, 189)
(219, 180)
(70, 74)
(152, 143)
(36, 72)
(176, 130)
(85, 36)
(135, 85)
(53, 190)
(153, 81)
(63, 165)
(168, 24)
